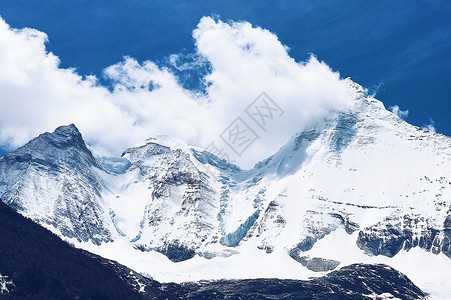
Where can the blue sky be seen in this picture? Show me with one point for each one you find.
(400, 50)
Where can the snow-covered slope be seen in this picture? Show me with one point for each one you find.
(363, 181)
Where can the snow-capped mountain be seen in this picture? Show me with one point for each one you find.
(361, 186)
(53, 180)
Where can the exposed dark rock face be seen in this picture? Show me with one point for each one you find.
(387, 242)
(317, 264)
(446, 243)
(391, 236)
(344, 132)
(177, 252)
(348, 225)
(305, 245)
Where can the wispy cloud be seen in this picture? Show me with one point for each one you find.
(401, 113)
(431, 126)
(148, 99)
(375, 89)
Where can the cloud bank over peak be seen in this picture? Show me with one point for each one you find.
(146, 99)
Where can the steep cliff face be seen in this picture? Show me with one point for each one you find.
(175, 204)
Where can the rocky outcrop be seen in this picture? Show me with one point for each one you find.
(358, 281)
(391, 236)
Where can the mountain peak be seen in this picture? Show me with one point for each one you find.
(69, 132)
(70, 129)
(65, 143)
(64, 137)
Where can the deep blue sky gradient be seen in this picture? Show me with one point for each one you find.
(402, 49)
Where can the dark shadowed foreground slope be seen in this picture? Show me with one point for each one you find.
(36, 264)
(357, 281)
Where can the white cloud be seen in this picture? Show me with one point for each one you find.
(375, 89)
(148, 100)
(397, 111)
(431, 126)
